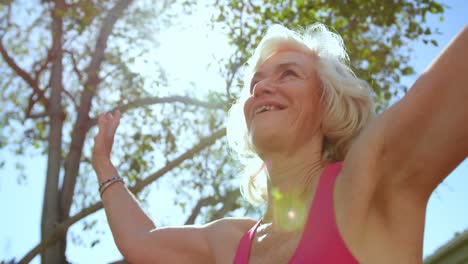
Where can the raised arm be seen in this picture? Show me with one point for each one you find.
(134, 233)
(422, 138)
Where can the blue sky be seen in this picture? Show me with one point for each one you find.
(447, 212)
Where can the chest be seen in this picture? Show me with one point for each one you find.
(345, 231)
(267, 249)
(375, 245)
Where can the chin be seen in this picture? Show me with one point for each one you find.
(265, 140)
(268, 131)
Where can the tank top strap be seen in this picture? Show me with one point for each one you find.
(321, 240)
(243, 249)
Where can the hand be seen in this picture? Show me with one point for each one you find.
(104, 139)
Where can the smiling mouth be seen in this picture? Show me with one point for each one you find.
(266, 108)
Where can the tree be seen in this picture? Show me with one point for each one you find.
(66, 61)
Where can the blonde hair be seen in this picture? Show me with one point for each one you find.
(346, 101)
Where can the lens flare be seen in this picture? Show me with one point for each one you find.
(292, 214)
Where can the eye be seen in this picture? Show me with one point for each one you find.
(287, 73)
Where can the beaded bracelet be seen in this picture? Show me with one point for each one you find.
(105, 184)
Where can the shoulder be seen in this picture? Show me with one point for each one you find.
(230, 224)
(224, 236)
(231, 229)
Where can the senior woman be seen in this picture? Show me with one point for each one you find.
(341, 185)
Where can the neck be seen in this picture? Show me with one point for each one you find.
(292, 179)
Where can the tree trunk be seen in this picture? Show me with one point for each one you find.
(51, 208)
(82, 125)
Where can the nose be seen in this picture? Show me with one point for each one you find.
(264, 86)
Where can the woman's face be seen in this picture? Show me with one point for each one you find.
(284, 107)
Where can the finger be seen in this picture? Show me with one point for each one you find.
(116, 120)
(109, 116)
(105, 125)
(101, 120)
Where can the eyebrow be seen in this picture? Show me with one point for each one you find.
(277, 67)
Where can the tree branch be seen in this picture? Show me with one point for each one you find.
(172, 99)
(210, 200)
(51, 210)
(31, 102)
(229, 204)
(40, 66)
(205, 142)
(75, 66)
(22, 73)
(231, 74)
(61, 228)
(38, 115)
(81, 126)
(228, 200)
(101, 44)
(161, 100)
(72, 98)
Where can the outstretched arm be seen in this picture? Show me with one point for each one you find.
(424, 137)
(134, 233)
(411, 147)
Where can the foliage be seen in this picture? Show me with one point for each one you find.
(376, 33)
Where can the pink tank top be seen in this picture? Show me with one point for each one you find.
(321, 241)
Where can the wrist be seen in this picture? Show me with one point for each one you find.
(104, 168)
(99, 158)
(107, 183)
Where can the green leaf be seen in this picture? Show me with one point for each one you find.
(94, 243)
(407, 70)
